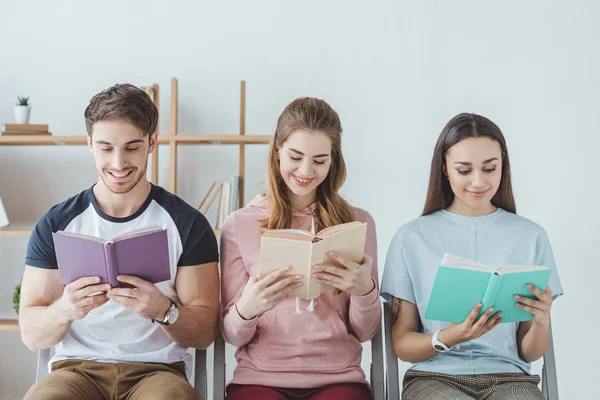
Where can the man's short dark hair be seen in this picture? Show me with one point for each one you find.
(123, 102)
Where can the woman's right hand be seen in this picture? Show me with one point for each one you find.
(261, 295)
(470, 329)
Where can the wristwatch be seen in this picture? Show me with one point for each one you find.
(437, 345)
(170, 316)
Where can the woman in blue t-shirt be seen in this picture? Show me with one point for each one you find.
(469, 212)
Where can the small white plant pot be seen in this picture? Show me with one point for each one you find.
(22, 114)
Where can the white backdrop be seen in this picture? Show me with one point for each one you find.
(395, 71)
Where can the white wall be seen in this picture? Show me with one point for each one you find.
(395, 71)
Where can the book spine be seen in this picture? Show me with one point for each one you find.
(110, 255)
(489, 298)
(3, 215)
(234, 196)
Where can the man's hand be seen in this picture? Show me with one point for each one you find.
(76, 301)
(144, 299)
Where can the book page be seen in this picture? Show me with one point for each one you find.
(137, 232)
(338, 228)
(81, 236)
(292, 234)
(511, 269)
(453, 261)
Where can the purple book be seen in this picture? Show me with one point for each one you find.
(143, 253)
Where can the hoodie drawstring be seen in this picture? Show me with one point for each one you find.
(310, 308)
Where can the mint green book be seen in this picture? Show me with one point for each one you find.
(460, 284)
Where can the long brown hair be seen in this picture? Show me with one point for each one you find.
(464, 126)
(311, 115)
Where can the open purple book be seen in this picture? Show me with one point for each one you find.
(143, 253)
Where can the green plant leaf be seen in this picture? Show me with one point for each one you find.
(17, 297)
(23, 101)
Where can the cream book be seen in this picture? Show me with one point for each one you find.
(210, 197)
(302, 250)
(4, 222)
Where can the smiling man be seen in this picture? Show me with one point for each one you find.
(123, 343)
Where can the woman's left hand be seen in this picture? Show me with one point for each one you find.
(352, 278)
(540, 308)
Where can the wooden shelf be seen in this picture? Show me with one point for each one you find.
(219, 139)
(39, 140)
(9, 325)
(49, 140)
(16, 230)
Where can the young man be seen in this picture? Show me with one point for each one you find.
(125, 343)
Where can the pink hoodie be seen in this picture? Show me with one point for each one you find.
(280, 348)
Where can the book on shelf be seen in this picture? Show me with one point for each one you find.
(210, 197)
(234, 196)
(228, 200)
(224, 204)
(302, 250)
(460, 284)
(4, 222)
(25, 129)
(143, 253)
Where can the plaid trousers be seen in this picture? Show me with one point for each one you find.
(420, 385)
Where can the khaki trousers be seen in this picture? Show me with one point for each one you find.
(90, 380)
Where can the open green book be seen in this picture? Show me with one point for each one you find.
(460, 284)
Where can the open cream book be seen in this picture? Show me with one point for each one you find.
(302, 251)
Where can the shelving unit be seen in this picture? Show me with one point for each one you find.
(173, 140)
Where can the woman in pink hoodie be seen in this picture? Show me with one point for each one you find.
(289, 347)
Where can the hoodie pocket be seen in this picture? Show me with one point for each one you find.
(311, 341)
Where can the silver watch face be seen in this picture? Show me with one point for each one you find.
(172, 314)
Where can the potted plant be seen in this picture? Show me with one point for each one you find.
(17, 297)
(22, 110)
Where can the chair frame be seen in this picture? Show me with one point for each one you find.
(392, 385)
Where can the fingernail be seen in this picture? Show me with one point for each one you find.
(491, 310)
(298, 276)
(330, 253)
(316, 275)
(97, 279)
(299, 284)
(517, 296)
(286, 268)
(529, 286)
(318, 267)
(500, 313)
(479, 305)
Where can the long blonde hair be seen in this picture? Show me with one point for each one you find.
(311, 115)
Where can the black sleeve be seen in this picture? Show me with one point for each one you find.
(40, 248)
(199, 243)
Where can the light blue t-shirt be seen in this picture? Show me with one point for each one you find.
(497, 239)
